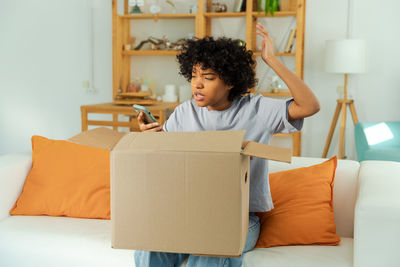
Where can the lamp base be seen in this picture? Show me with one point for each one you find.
(340, 108)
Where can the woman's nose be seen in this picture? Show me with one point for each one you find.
(197, 83)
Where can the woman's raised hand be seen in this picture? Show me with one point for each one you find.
(267, 52)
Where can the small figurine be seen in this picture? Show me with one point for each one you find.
(161, 44)
(133, 86)
(135, 10)
(156, 44)
(178, 45)
(219, 7)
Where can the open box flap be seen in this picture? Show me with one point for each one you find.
(207, 141)
(101, 137)
(266, 152)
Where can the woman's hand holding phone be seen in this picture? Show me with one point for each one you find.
(151, 127)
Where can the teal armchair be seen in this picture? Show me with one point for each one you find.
(378, 140)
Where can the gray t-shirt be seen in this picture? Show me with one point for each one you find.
(260, 116)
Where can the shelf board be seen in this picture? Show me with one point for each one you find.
(258, 53)
(132, 101)
(209, 15)
(284, 134)
(281, 92)
(150, 52)
(174, 52)
(224, 14)
(276, 14)
(158, 16)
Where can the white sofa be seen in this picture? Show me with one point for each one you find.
(367, 214)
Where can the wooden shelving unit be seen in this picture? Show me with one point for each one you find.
(203, 21)
(280, 93)
(276, 14)
(150, 53)
(173, 53)
(159, 16)
(224, 15)
(258, 53)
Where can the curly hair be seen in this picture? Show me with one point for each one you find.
(227, 57)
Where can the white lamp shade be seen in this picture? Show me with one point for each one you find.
(345, 56)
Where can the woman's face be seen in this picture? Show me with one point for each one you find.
(209, 90)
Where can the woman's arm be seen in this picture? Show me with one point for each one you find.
(305, 103)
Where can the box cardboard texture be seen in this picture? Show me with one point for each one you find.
(183, 192)
(100, 137)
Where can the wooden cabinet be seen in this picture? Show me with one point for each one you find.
(122, 24)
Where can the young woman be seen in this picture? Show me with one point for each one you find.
(221, 72)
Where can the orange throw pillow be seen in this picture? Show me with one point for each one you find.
(66, 179)
(303, 213)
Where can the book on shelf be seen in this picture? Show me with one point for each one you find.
(290, 41)
(238, 7)
(243, 7)
(293, 47)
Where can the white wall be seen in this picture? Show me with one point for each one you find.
(44, 48)
(376, 92)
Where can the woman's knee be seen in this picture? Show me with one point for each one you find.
(252, 233)
(151, 258)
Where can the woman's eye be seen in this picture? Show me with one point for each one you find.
(210, 79)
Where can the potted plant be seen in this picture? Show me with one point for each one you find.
(270, 6)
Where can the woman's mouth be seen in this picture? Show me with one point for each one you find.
(198, 96)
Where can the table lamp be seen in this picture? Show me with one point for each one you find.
(345, 57)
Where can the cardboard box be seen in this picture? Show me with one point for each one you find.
(183, 192)
(101, 137)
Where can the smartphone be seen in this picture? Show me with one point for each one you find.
(147, 116)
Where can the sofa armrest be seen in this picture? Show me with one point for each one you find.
(13, 170)
(377, 215)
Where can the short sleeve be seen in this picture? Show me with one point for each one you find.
(274, 113)
(290, 126)
(173, 122)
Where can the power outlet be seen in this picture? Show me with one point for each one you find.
(89, 90)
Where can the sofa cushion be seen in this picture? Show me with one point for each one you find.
(302, 256)
(59, 241)
(344, 191)
(63, 242)
(66, 179)
(303, 213)
(13, 171)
